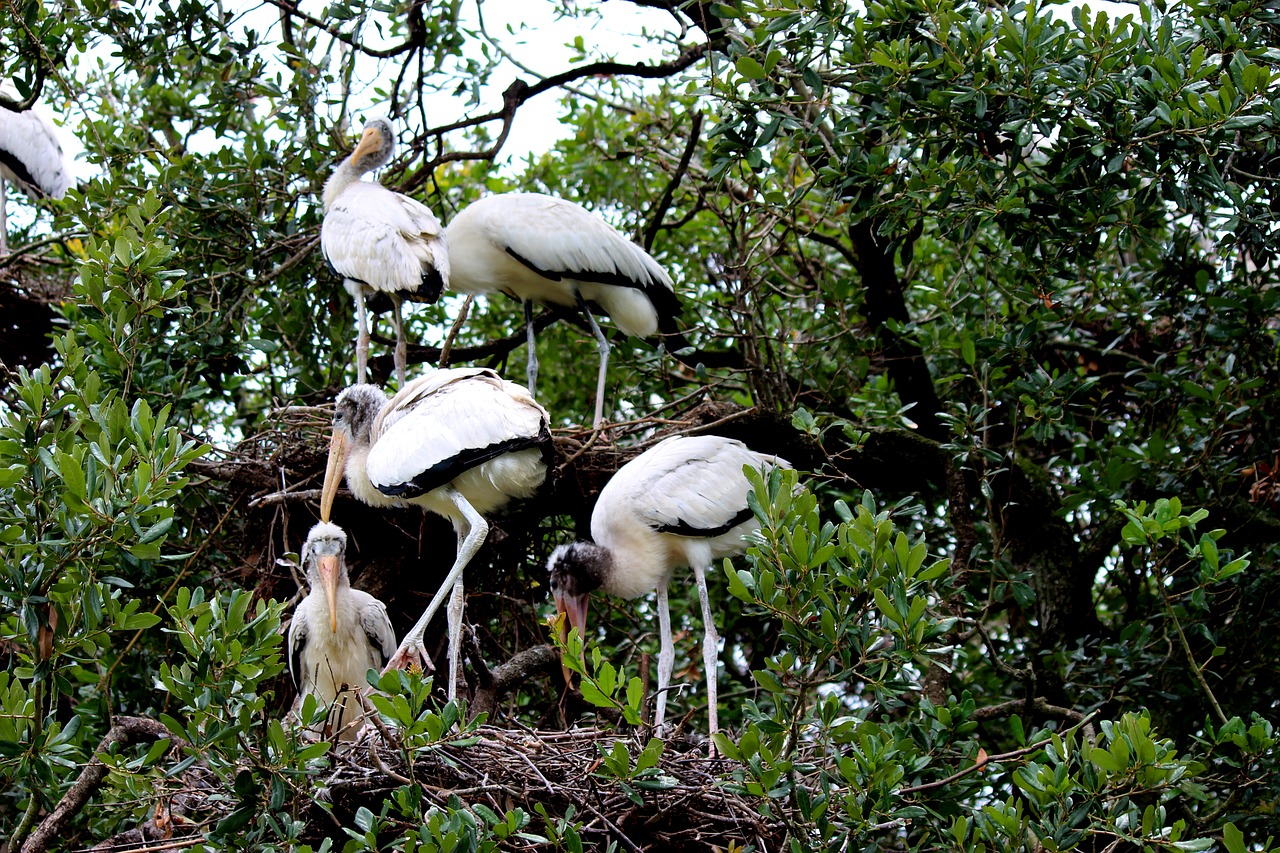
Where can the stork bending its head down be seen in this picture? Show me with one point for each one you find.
(379, 240)
(538, 248)
(337, 633)
(683, 502)
(461, 443)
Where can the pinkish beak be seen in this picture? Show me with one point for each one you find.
(329, 578)
(574, 610)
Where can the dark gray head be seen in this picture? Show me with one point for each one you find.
(578, 569)
(356, 409)
(354, 412)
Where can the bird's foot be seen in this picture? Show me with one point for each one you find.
(410, 658)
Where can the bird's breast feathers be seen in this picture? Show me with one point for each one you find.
(385, 240)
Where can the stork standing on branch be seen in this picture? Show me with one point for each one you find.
(461, 443)
(31, 158)
(537, 248)
(380, 241)
(337, 633)
(683, 502)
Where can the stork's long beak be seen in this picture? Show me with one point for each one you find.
(339, 445)
(574, 610)
(329, 577)
(369, 140)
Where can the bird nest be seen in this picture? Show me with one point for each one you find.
(684, 801)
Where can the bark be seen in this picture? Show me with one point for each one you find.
(886, 301)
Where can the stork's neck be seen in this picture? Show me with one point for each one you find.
(358, 478)
(344, 176)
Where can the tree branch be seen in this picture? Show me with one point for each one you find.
(530, 663)
(350, 41)
(126, 731)
(660, 211)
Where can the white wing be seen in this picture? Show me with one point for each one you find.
(377, 627)
(688, 485)
(563, 238)
(30, 155)
(385, 240)
(447, 422)
(297, 641)
(543, 248)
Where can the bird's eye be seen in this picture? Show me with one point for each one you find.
(338, 416)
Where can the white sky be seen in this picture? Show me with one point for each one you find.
(537, 40)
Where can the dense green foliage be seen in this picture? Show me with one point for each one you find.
(999, 279)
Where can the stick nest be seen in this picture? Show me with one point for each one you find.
(688, 801)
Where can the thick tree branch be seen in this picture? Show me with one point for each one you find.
(886, 301)
(525, 665)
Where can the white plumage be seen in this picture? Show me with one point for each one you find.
(683, 502)
(538, 248)
(337, 633)
(379, 240)
(30, 157)
(460, 443)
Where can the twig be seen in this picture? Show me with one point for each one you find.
(990, 759)
(447, 347)
(286, 496)
(171, 844)
(660, 211)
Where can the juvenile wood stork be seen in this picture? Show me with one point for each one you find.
(538, 248)
(338, 633)
(31, 158)
(380, 240)
(461, 443)
(683, 502)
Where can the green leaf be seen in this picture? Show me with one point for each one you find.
(1233, 839)
(750, 68)
(1104, 760)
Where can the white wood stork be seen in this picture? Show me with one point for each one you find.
(683, 502)
(380, 240)
(538, 248)
(337, 633)
(461, 443)
(30, 158)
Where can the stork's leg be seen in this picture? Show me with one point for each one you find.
(531, 361)
(4, 221)
(471, 534)
(603, 343)
(402, 349)
(666, 658)
(362, 339)
(710, 653)
(456, 602)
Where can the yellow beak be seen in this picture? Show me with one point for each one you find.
(370, 140)
(339, 446)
